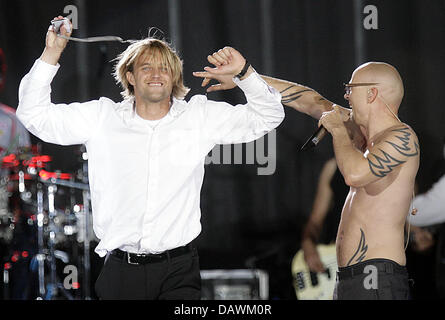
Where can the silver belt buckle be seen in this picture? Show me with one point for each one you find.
(129, 260)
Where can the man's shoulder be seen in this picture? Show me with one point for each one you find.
(400, 132)
(396, 145)
(106, 100)
(197, 98)
(109, 104)
(194, 103)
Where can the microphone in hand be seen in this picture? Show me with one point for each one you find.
(314, 139)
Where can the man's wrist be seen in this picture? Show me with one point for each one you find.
(51, 56)
(243, 70)
(249, 71)
(341, 133)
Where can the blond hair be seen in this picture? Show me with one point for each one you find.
(127, 59)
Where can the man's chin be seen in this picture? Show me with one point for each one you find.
(154, 98)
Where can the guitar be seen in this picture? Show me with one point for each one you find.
(311, 285)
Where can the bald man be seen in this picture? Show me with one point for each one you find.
(378, 156)
(381, 176)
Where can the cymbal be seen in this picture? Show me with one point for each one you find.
(45, 175)
(34, 161)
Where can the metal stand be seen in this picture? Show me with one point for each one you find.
(54, 285)
(86, 243)
(41, 254)
(52, 236)
(86, 246)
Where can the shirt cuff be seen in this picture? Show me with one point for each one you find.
(43, 72)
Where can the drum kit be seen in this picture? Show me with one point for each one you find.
(45, 227)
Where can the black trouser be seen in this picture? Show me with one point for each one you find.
(169, 278)
(355, 282)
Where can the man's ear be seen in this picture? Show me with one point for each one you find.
(371, 95)
(130, 77)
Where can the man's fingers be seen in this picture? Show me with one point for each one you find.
(323, 116)
(220, 58)
(225, 54)
(316, 265)
(205, 82)
(215, 87)
(216, 71)
(201, 74)
(211, 70)
(213, 61)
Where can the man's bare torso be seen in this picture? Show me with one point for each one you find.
(373, 217)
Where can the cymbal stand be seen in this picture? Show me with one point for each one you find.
(86, 244)
(41, 254)
(54, 284)
(52, 235)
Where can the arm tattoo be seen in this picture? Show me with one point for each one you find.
(404, 147)
(382, 165)
(291, 96)
(361, 250)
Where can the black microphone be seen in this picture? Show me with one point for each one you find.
(314, 139)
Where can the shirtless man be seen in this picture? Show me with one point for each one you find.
(380, 172)
(381, 179)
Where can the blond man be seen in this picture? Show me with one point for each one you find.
(146, 159)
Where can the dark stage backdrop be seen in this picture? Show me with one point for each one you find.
(247, 217)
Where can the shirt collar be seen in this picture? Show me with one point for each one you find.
(177, 108)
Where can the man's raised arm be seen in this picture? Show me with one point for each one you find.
(55, 45)
(394, 148)
(301, 98)
(63, 124)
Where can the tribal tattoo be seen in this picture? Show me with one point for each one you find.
(360, 253)
(382, 165)
(291, 96)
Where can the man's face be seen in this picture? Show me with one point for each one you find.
(357, 100)
(151, 80)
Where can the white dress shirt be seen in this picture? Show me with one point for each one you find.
(145, 181)
(430, 206)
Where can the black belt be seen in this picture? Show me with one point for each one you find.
(382, 265)
(139, 258)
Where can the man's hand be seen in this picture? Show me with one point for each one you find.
(225, 82)
(228, 63)
(312, 258)
(334, 119)
(54, 44)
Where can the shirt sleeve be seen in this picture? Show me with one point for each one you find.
(244, 123)
(63, 124)
(430, 206)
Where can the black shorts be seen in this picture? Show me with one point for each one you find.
(373, 279)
